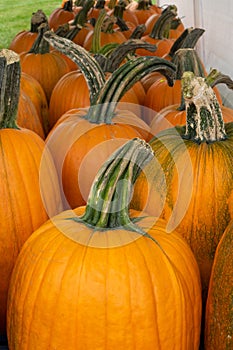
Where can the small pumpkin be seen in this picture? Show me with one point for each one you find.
(103, 275)
(24, 40)
(44, 65)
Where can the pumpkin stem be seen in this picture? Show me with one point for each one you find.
(122, 50)
(96, 39)
(138, 31)
(110, 194)
(68, 6)
(162, 26)
(143, 5)
(112, 4)
(122, 80)
(37, 19)
(204, 121)
(10, 73)
(40, 46)
(187, 40)
(187, 60)
(215, 77)
(88, 65)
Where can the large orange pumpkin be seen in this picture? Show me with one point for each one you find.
(26, 202)
(103, 277)
(194, 179)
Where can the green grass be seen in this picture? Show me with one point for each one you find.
(16, 16)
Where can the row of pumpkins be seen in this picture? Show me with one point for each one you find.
(116, 184)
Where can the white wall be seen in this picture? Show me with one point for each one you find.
(215, 47)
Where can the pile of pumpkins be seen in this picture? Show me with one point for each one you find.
(116, 184)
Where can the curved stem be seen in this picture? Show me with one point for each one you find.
(215, 77)
(122, 50)
(40, 46)
(10, 73)
(108, 201)
(187, 40)
(122, 80)
(204, 120)
(163, 23)
(88, 65)
(96, 39)
(138, 31)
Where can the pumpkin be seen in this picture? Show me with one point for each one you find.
(158, 35)
(143, 9)
(44, 65)
(193, 179)
(61, 15)
(26, 200)
(185, 60)
(100, 128)
(24, 40)
(108, 33)
(218, 319)
(103, 277)
(175, 114)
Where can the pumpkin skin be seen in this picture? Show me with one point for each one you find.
(34, 90)
(94, 270)
(218, 320)
(27, 116)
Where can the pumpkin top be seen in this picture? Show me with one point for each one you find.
(10, 73)
(204, 120)
(109, 198)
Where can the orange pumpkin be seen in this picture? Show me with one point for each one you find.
(194, 180)
(24, 40)
(102, 275)
(44, 65)
(96, 130)
(61, 15)
(26, 200)
(158, 35)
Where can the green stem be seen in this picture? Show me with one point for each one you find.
(88, 65)
(109, 198)
(162, 25)
(96, 39)
(10, 73)
(122, 50)
(122, 80)
(215, 77)
(187, 40)
(138, 32)
(204, 120)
